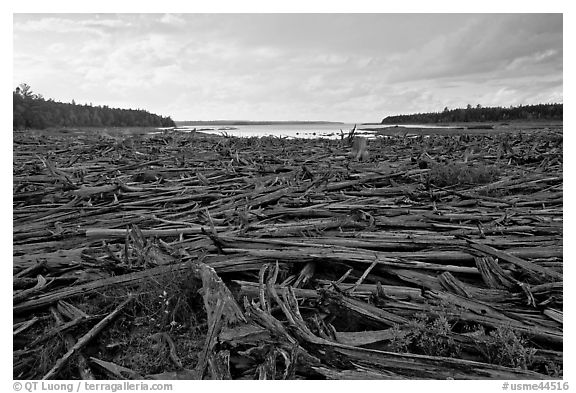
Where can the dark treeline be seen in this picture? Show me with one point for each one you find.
(32, 111)
(480, 114)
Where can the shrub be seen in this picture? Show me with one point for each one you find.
(426, 335)
(506, 348)
(454, 174)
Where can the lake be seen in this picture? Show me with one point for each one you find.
(307, 131)
(327, 130)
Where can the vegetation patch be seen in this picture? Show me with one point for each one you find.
(426, 334)
(507, 348)
(461, 174)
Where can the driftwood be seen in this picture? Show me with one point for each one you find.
(308, 263)
(85, 339)
(83, 370)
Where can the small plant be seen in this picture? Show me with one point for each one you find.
(142, 352)
(426, 335)
(507, 348)
(49, 354)
(454, 174)
(494, 192)
(553, 369)
(401, 340)
(170, 302)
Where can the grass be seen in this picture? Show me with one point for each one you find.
(38, 361)
(430, 334)
(458, 174)
(169, 305)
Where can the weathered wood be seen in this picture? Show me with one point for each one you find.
(66, 293)
(103, 233)
(83, 368)
(505, 256)
(86, 339)
(311, 241)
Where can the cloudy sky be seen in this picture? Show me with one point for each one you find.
(342, 67)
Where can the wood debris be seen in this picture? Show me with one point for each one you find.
(270, 258)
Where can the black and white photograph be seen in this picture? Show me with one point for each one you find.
(287, 196)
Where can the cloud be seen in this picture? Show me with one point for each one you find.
(173, 19)
(532, 61)
(484, 45)
(65, 25)
(339, 67)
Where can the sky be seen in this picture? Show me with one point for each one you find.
(337, 67)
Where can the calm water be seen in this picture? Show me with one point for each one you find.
(281, 130)
(309, 131)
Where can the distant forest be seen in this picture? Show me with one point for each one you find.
(32, 111)
(481, 114)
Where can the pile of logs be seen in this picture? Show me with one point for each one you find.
(308, 263)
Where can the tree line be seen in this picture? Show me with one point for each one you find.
(481, 114)
(32, 111)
